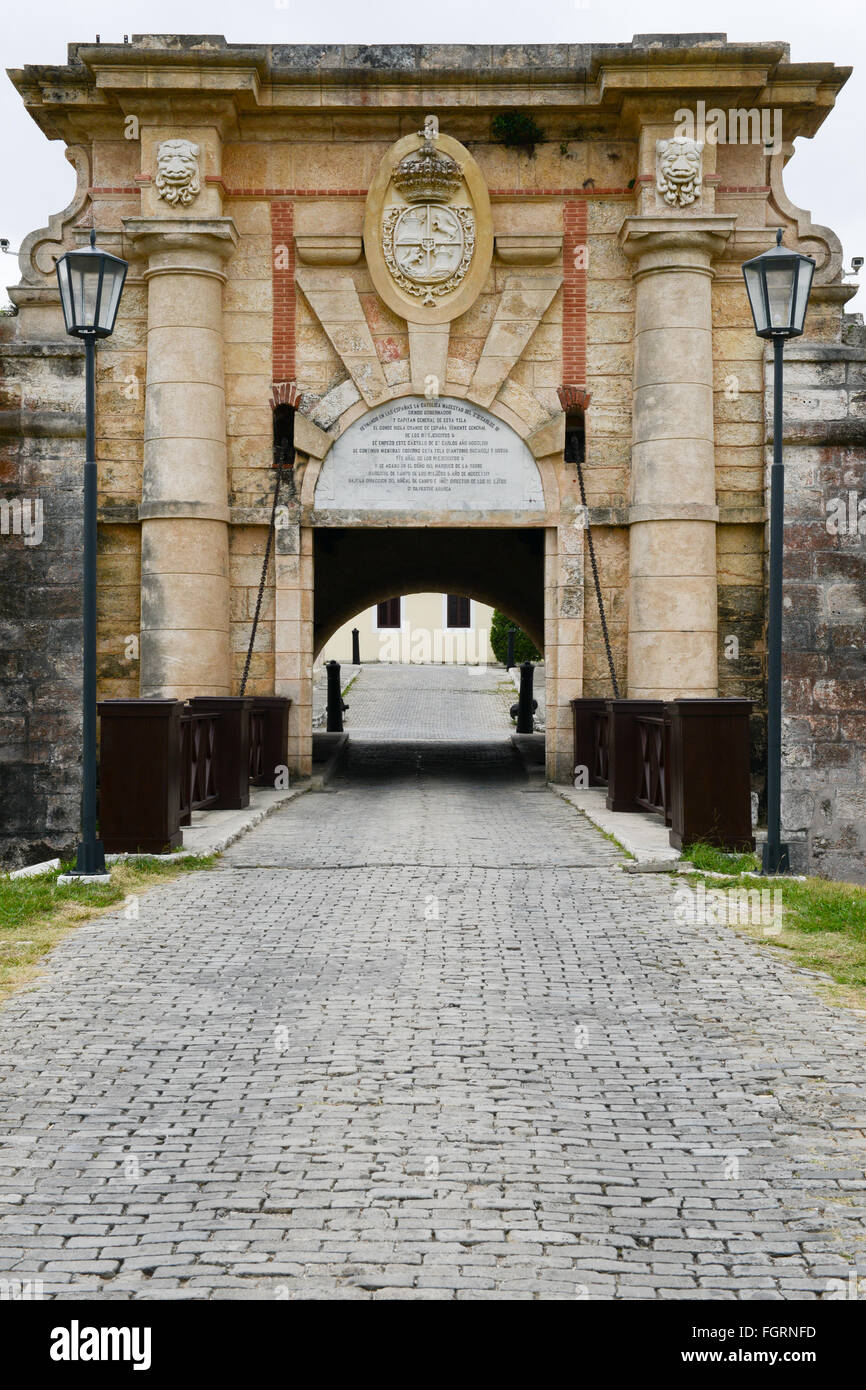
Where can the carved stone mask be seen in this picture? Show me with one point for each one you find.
(177, 176)
(678, 170)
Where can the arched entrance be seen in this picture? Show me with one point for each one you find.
(355, 568)
(427, 495)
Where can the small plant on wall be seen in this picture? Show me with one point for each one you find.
(524, 648)
(517, 130)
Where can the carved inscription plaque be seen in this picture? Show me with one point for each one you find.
(415, 454)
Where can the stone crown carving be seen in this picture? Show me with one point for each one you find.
(177, 173)
(428, 175)
(428, 246)
(428, 232)
(678, 170)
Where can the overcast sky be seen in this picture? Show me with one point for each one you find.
(825, 175)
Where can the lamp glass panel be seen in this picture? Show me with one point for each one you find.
(780, 294)
(755, 290)
(84, 272)
(111, 287)
(804, 285)
(65, 290)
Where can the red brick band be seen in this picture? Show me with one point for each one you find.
(574, 276)
(283, 272)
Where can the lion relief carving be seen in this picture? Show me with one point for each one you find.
(177, 176)
(678, 170)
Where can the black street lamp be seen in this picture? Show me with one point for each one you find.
(90, 283)
(778, 284)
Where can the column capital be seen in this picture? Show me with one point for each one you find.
(667, 241)
(182, 245)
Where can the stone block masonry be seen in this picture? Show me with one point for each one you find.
(41, 454)
(824, 661)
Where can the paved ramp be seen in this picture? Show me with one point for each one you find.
(421, 1037)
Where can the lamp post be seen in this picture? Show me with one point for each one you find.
(778, 284)
(90, 283)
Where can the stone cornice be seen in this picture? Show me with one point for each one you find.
(205, 71)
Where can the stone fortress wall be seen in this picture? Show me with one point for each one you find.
(249, 187)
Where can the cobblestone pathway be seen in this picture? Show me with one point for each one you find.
(429, 702)
(422, 1037)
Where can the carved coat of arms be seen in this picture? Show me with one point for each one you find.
(428, 246)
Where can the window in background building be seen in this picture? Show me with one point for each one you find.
(388, 613)
(458, 611)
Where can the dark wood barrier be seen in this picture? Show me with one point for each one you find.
(160, 760)
(591, 739)
(140, 776)
(654, 742)
(627, 734)
(686, 760)
(710, 785)
(269, 738)
(198, 768)
(231, 751)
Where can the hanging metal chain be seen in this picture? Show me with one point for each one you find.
(604, 630)
(282, 463)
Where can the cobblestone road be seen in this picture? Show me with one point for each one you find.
(422, 1037)
(429, 702)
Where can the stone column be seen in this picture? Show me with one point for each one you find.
(673, 513)
(184, 500)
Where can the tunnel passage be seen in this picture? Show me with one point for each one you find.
(357, 567)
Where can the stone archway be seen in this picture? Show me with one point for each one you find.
(356, 568)
(427, 495)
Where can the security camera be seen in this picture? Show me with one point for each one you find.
(4, 243)
(856, 264)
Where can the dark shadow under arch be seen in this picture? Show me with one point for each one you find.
(357, 567)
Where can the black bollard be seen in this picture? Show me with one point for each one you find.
(509, 651)
(525, 701)
(356, 647)
(335, 698)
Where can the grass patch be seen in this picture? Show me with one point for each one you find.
(614, 841)
(36, 913)
(823, 924)
(718, 861)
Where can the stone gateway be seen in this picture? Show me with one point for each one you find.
(353, 259)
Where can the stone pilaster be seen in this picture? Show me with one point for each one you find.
(293, 644)
(563, 640)
(184, 500)
(673, 512)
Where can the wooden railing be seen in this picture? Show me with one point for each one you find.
(685, 760)
(198, 782)
(654, 735)
(269, 738)
(257, 744)
(599, 770)
(161, 760)
(591, 741)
